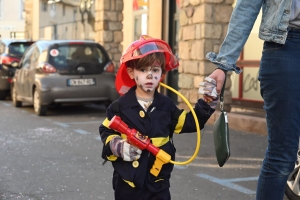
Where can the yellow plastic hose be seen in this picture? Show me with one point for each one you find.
(196, 122)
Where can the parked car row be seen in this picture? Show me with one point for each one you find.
(57, 72)
(11, 52)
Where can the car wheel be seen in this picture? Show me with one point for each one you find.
(292, 190)
(39, 109)
(3, 94)
(16, 103)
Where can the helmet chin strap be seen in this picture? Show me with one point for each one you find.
(196, 122)
(162, 77)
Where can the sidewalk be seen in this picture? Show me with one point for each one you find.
(244, 120)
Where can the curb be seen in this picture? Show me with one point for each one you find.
(244, 123)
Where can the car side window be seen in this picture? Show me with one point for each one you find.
(43, 56)
(34, 58)
(26, 60)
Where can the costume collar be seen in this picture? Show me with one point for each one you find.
(129, 99)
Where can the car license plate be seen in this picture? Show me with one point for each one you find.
(76, 82)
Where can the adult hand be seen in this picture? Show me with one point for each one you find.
(123, 149)
(219, 76)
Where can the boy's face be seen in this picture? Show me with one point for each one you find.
(147, 77)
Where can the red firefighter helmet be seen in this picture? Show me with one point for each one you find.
(138, 49)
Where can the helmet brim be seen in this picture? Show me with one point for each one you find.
(123, 82)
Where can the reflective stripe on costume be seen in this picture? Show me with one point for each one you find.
(133, 186)
(105, 123)
(112, 158)
(160, 141)
(130, 183)
(180, 122)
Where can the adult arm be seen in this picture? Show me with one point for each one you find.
(241, 23)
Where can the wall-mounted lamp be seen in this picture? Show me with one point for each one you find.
(53, 1)
(85, 9)
(86, 5)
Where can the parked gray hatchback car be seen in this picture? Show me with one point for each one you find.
(64, 71)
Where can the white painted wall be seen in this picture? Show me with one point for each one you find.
(11, 18)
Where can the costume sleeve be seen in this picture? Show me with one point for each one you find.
(107, 134)
(185, 122)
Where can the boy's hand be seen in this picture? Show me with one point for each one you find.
(123, 149)
(208, 89)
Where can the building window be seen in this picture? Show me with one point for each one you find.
(140, 16)
(21, 9)
(17, 35)
(53, 10)
(64, 10)
(53, 7)
(44, 6)
(1, 8)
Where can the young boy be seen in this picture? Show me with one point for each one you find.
(154, 115)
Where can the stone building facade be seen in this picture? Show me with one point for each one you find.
(108, 27)
(203, 26)
(28, 7)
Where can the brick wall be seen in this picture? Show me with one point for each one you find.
(28, 7)
(108, 27)
(203, 26)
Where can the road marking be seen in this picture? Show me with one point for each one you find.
(180, 167)
(227, 166)
(90, 122)
(211, 162)
(6, 104)
(61, 124)
(80, 131)
(214, 158)
(243, 179)
(229, 182)
(98, 138)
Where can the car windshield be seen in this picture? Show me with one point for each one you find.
(18, 48)
(77, 58)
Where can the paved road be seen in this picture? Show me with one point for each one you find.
(58, 157)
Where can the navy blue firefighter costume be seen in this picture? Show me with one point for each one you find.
(162, 119)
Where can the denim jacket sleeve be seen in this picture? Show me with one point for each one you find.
(240, 26)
